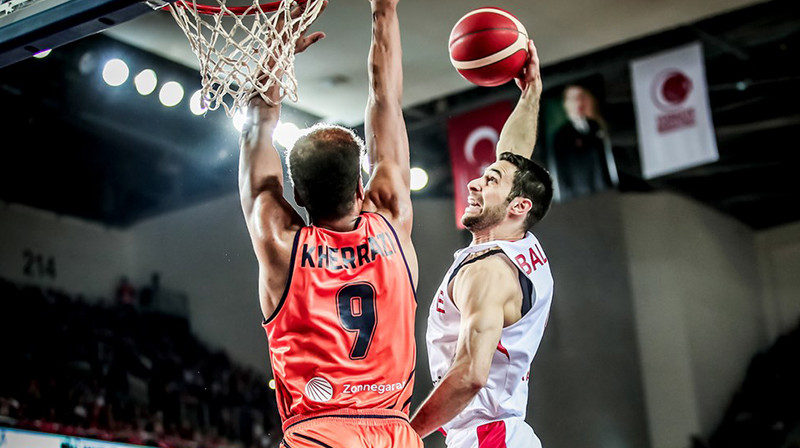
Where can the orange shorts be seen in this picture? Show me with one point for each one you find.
(367, 428)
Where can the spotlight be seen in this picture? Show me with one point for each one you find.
(145, 82)
(286, 134)
(419, 178)
(171, 94)
(42, 54)
(271, 384)
(239, 118)
(196, 103)
(115, 72)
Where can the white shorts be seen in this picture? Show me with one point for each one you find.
(509, 433)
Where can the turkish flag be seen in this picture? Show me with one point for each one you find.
(472, 137)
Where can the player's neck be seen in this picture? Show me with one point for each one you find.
(345, 224)
(504, 231)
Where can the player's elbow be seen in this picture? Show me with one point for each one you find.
(474, 379)
(473, 386)
(265, 184)
(478, 380)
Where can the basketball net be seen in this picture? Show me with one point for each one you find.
(244, 53)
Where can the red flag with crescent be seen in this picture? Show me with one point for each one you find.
(472, 137)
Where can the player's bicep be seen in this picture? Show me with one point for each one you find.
(481, 291)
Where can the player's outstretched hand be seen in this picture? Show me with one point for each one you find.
(302, 43)
(306, 41)
(530, 81)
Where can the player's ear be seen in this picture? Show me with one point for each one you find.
(520, 206)
(360, 189)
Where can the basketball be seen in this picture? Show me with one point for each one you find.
(488, 46)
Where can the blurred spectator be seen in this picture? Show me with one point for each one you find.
(150, 291)
(765, 411)
(123, 374)
(125, 294)
(583, 159)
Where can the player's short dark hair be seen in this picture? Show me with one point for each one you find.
(531, 181)
(324, 166)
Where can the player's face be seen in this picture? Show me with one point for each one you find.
(488, 194)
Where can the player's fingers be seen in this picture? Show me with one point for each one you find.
(300, 8)
(306, 41)
(282, 17)
(324, 5)
(533, 53)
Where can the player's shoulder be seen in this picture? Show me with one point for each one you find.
(491, 264)
(489, 280)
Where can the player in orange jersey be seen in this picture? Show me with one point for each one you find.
(338, 294)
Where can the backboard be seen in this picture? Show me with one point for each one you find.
(30, 26)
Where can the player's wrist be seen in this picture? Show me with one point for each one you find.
(262, 113)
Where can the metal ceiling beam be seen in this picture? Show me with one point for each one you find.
(47, 24)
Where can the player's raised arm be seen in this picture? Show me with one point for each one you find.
(520, 130)
(261, 176)
(481, 290)
(388, 191)
(271, 220)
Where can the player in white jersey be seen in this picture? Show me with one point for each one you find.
(489, 314)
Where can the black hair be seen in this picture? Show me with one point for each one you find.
(531, 181)
(324, 166)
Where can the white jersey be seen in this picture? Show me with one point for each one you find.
(506, 392)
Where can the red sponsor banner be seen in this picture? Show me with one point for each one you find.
(472, 137)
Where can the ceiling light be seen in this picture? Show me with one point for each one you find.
(239, 118)
(286, 134)
(419, 178)
(145, 82)
(171, 94)
(42, 54)
(115, 72)
(196, 103)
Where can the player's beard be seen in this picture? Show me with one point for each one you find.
(488, 217)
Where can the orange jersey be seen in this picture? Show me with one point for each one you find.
(342, 336)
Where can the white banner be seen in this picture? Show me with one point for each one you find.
(672, 111)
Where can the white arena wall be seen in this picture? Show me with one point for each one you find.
(696, 288)
(86, 258)
(779, 263)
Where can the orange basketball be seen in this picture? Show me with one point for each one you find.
(489, 46)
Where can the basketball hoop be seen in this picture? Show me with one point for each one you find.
(243, 50)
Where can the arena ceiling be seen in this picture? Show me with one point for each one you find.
(333, 76)
(77, 147)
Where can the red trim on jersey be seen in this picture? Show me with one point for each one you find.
(441, 430)
(502, 349)
(492, 435)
